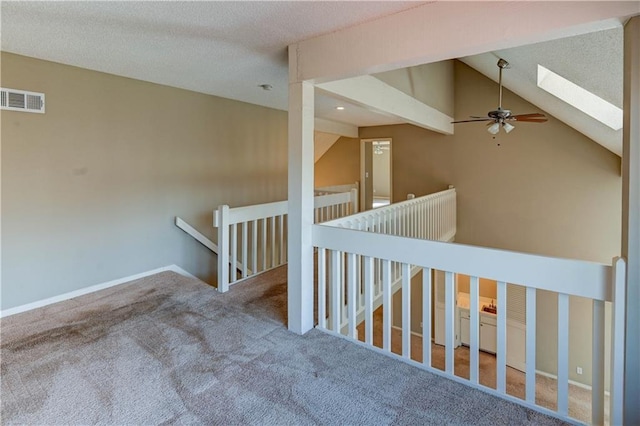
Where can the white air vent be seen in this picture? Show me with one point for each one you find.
(21, 100)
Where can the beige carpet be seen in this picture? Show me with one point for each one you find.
(171, 350)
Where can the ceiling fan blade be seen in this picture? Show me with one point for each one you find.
(531, 120)
(535, 115)
(471, 121)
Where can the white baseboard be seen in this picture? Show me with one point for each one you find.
(573, 382)
(414, 333)
(92, 289)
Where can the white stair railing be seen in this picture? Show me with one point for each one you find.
(255, 237)
(431, 216)
(354, 267)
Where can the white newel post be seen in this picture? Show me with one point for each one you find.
(222, 222)
(301, 203)
(631, 218)
(354, 201)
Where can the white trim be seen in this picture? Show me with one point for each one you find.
(198, 236)
(376, 95)
(336, 128)
(92, 289)
(415, 333)
(571, 382)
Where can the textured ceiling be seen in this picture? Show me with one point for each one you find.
(593, 61)
(229, 48)
(221, 48)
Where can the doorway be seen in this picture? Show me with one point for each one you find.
(375, 173)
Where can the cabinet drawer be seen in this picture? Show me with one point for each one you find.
(464, 313)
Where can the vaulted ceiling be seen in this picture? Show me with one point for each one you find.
(229, 49)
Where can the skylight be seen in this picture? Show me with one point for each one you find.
(580, 98)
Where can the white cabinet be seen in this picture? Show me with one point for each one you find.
(487, 334)
(465, 339)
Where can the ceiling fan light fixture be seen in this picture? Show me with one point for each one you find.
(494, 128)
(508, 127)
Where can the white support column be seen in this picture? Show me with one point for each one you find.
(631, 216)
(300, 220)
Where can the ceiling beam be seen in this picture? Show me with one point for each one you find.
(443, 30)
(330, 126)
(378, 96)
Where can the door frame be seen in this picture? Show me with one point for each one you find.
(363, 185)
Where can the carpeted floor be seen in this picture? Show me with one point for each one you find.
(171, 350)
(546, 387)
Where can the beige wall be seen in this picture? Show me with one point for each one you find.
(90, 189)
(543, 188)
(340, 164)
(421, 161)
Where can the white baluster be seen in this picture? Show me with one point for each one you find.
(322, 288)
(263, 223)
(406, 310)
(351, 295)
(531, 346)
(386, 305)
(563, 354)
(474, 330)
(334, 294)
(234, 254)
(281, 259)
(449, 313)
(597, 363)
(243, 249)
(368, 300)
(501, 337)
(426, 316)
(273, 241)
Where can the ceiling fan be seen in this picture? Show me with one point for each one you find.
(503, 117)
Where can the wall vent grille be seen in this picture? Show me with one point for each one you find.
(21, 100)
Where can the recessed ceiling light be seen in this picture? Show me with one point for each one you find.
(339, 108)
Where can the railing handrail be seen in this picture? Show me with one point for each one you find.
(338, 188)
(276, 208)
(256, 235)
(568, 276)
(198, 236)
(392, 207)
(331, 199)
(253, 212)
